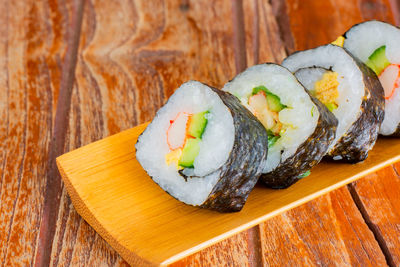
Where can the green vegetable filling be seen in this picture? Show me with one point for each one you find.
(331, 106)
(266, 110)
(272, 138)
(378, 61)
(274, 102)
(312, 111)
(190, 152)
(197, 125)
(307, 173)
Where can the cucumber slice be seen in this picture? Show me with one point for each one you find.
(260, 88)
(378, 61)
(307, 173)
(189, 153)
(198, 124)
(272, 138)
(331, 106)
(274, 102)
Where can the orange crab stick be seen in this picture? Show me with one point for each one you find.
(176, 133)
(390, 79)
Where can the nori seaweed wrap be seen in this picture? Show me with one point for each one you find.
(300, 128)
(376, 44)
(350, 90)
(204, 148)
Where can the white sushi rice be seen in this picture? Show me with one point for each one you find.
(351, 87)
(301, 115)
(362, 40)
(309, 76)
(216, 145)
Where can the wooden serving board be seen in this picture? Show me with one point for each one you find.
(112, 192)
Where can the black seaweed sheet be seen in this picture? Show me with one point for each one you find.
(240, 173)
(397, 132)
(354, 145)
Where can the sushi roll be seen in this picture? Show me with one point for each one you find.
(204, 148)
(350, 90)
(299, 128)
(377, 45)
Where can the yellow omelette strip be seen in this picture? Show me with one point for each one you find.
(339, 41)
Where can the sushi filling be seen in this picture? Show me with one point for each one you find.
(184, 138)
(266, 107)
(323, 84)
(217, 142)
(326, 90)
(376, 44)
(388, 73)
(282, 106)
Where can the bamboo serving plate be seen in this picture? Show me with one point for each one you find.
(112, 192)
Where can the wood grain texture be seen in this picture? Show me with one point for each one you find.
(32, 49)
(377, 197)
(306, 24)
(263, 40)
(328, 231)
(145, 225)
(153, 47)
(53, 188)
(126, 48)
(395, 7)
(239, 39)
(255, 53)
(233, 251)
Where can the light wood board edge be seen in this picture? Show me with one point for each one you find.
(135, 260)
(88, 216)
(278, 211)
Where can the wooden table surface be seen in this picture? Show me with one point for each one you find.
(72, 72)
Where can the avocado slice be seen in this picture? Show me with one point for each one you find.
(190, 152)
(274, 102)
(378, 61)
(197, 124)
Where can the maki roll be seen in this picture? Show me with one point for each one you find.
(204, 148)
(377, 44)
(350, 90)
(299, 128)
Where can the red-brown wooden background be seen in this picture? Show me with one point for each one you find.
(72, 72)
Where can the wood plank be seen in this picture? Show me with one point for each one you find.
(152, 47)
(310, 23)
(234, 250)
(377, 197)
(32, 49)
(272, 58)
(263, 39)
(53, 188)
(328, 231)
(395, 7)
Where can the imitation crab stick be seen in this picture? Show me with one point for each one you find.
(390, 80)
